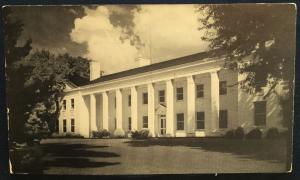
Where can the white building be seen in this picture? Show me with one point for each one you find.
(187, 96)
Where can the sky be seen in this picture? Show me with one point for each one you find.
(120, 37)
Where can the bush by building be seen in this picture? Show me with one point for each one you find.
(119, 133)
(254, 134)
(66, 135)
(101, 134)
(272, 133)
(229, 134)
(239, 133)
(142, 134)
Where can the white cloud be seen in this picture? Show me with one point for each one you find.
(171, 28)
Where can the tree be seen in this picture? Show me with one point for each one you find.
(263, 32)
(16, 96)
(47, 79)
(266, 34)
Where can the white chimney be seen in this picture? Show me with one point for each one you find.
(95, 71)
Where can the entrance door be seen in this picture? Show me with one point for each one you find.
(162, 124)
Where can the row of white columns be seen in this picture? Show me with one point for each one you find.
(170, 126)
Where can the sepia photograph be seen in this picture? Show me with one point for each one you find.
(142, 89)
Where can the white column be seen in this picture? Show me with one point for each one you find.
(119, 112)
(93, 126)
(134, 110)
(215, 102)
(82, 116)
(151, 109)
(191, 104)
(105, 110)
(170, 107)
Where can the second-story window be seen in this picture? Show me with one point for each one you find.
(200, 90)
(179, 93)
(223, 87)
(162, 96)
(145, 98)
(64, 104)
(72, 103)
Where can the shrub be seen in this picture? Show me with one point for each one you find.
(100, 134)
(142, 134)
(272, 133)
(73, 135)
(119, 133)
(229, 134)
(105, 133)
(254, 134)
(239, 133)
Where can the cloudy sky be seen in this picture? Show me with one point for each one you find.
(114, 35)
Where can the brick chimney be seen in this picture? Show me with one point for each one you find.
(95, 71)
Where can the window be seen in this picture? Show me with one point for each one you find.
(223, 87)
(129, 123)
(115, 102)
(57, 126)
(64, 104)
(260, 113)
(161, 96)
(223, 119)
(200, 90)
(72, 125)
(129, 100)
(64, 125)
(145, 121)
(179, 93)
(145, 98)
(180, 121)
(72, 104)
(200, 120)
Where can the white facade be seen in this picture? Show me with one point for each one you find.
(179, 100)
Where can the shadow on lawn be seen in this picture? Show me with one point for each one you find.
(72, 156)
(271, 150)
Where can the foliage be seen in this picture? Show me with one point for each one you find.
(142, 134)
(66, 135)
(17, 97)
(119, 133)
(264, 33)
(100, 134)
(272, 133)
(229, 134)
(254, 134)
(25, 158)
(239, 133)
(47, 77)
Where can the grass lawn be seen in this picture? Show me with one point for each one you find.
(161, 156)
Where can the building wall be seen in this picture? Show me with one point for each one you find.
(238, 104)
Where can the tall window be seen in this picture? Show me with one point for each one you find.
(72, 104)
(179, 93)
(161, 96)
(223, 119)
(57, 126)
(260, 113)
(129, 100)
(64, 125)
(115, 99)
(64, 104)
(145, 98)
(200, 120)
(145, 121)
(180, 121)
(223, 87)
(129, 123)
(72, 125)
(200, 90)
